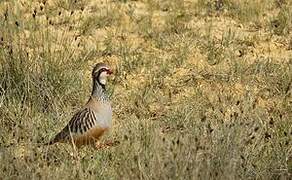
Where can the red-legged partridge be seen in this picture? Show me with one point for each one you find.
(89, 123)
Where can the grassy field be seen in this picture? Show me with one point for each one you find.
(201, 89)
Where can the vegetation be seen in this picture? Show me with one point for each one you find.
(201, 89)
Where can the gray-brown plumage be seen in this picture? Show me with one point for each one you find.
(89, 123)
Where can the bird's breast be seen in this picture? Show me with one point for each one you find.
(104, 116)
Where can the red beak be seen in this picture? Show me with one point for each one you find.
(109, 71)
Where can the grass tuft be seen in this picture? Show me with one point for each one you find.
(201, 89)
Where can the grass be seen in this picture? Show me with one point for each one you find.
(201, 90)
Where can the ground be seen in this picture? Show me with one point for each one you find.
(201, 89)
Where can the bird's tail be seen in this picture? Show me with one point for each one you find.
(60, 137)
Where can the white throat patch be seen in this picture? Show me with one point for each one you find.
(102, 77)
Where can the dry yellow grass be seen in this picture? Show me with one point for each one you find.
(202, 89)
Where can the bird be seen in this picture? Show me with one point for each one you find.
(95, 118)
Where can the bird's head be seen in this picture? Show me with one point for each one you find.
(100, 73)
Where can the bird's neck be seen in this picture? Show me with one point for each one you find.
(99, 91)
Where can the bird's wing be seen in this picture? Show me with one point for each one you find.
(80, 123)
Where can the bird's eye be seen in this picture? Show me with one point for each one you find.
(108, 71)
(100, 71)
(104, 69)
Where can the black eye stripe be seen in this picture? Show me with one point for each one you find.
(102, 70)
(97, 73)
